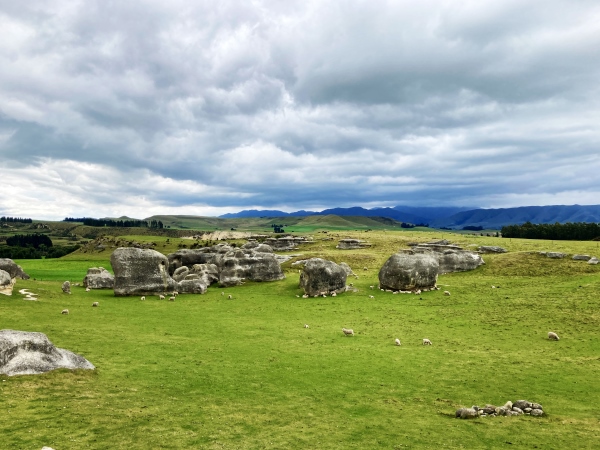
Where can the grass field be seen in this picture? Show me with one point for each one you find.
(206, 372)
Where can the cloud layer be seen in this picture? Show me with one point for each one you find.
(112, 108)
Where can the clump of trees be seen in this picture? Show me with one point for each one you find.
(29, 240)
(412, 225)
(33, 246)
(157, 224)
(472, 228)
(578, 231)
(278, 228)
(15, 220)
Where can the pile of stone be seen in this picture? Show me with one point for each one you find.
(518, 408)
(352, 244)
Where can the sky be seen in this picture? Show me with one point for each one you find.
(111, 108)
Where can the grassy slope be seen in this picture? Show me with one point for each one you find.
(205, 372)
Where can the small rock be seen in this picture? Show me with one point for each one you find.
(468, 413)
(537, 412)
(66, 287)
(519, 411)
(522, 404)
(536, 406)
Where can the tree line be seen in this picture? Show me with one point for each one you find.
(15, 219)
(29, 240)
(577, 231)
(116, 223)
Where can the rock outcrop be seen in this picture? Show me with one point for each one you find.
(409, 272)
(6, 283)
(322, 277)
(285, 243)
(593, 260)
(99, 278)
(351, 244)
(582, 257)
(519, 408)
(13, 269)
(241, 264)
(140, 272)
(29, 353)
(491, 249)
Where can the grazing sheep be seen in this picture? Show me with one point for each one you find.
(87, 289)
(161, 297)
(222, 293)
(553, 336)
(306, 325)
(447, 293)
(65, 311)
(305, 296)
(229, 297)
(493, 287)
(333, 294)
(297, 296)
(175, 293)
(95, 304)
(372, 287)
(348, 332)
(324, 295)
(426, 342)
(171, 299)
(397, 342)
(371, 296)
(143, 298)
(365, 268)
(418, 292)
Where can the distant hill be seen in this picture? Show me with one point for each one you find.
(497, 218)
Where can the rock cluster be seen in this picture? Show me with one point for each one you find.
(451, 257)
(518, 408)
(228, 265)
(140, 272)
(352, 244)
(28, 353)
(99, 278)
(285, 243)
(13, 269)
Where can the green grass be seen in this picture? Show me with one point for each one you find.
(206, 372)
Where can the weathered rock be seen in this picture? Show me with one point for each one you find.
(536, 406)
(208, 273)
(189, 257)
(99, 278)
(346, 268)
(28, 353)
(458, 261)
(508, 405)
(192, 285)
(13, 269)
(519, 411)
(240, 264)
(180, 273)
(582, 257)
(352, 244)
(555, 255)
(141, 271)
(537, 412)
(521, 404)
(321, 276)
(409, 272)
(66, 287)
(285, 243)
(491, 249)
(468, 413)
(6, 283)
(263, 248)
(593, 260)
(489, 409)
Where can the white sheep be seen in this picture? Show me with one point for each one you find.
(348, 332)
(143, 298)
(365, 268)
(447, 293)
(397, 342)
(175, 293)
(372, 287)
(426, 342)
(418, 292)
(229, 297)
(161, 297)
(333, 294)
(222, 293)
(306, 325)
(65, 311)
(553, 336)
(87, 289)
(305, 296)
(172, 299)
(95, 304)
(297, 296)
(371, 296)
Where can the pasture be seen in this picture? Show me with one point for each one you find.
(211, 373)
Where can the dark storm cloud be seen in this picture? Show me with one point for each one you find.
(203, 107)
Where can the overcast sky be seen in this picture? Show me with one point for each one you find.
(111, 108)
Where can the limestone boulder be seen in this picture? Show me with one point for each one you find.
(352, 244)
(208, 273)
(99, 278)
(13, 269)
(284, 243)
(66, 287)
(192, 284)
(29, 353)
(242, 264)
(458, 261)
(321, 276)
(409, 272)
(593, 260)
(140, 272)
(347, 269)
(189, 257)
(6, 283)
(491, 249)
(555, 255)
(582, 257)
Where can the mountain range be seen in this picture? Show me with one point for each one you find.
(452, 217)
